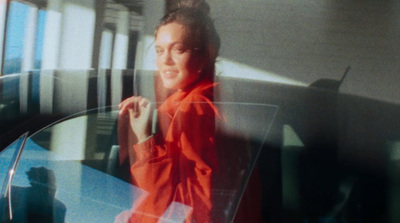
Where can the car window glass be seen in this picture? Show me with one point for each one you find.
(81, 177)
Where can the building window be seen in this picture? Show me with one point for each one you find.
(24, 38)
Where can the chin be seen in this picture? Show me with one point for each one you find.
(169, 85)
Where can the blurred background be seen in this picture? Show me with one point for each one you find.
(279, 41)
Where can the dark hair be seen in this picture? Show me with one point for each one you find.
(200, 31)
(199, 4)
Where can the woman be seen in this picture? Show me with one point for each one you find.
(176, 165)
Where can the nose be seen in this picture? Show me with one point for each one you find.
(167, 58)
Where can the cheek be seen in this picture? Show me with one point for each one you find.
(184, 64)
(158, 62)
(192, 65)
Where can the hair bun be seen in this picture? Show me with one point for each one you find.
(201, 5)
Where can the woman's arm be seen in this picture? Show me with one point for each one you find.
(178, 165)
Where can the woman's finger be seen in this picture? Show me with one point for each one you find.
(143, 102)
(140, 121)
(124, 102)
(136, 108)
(125, 107)
(131, 114)
(127, 104)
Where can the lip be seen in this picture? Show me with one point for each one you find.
(170, 74)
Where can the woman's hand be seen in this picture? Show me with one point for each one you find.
(128, 103)
(140, 113)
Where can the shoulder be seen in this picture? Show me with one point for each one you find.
(200, 100)
(203, 91)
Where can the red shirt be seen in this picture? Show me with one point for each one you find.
(176, 166)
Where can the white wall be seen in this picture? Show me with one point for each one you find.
(52, 34)
(77, 37)
(120, 55)
(29, 40)
(145, 57)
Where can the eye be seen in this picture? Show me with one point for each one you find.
(179, 49)
(159, 51)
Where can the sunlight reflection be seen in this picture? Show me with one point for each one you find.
(224, 66)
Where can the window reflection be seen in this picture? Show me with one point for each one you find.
(37, 203)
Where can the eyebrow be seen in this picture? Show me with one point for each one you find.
(173, 44)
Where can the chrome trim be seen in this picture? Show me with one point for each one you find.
(11, 172)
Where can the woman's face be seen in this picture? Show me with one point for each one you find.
(176, 62)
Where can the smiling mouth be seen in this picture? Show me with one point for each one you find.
(170, 74)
